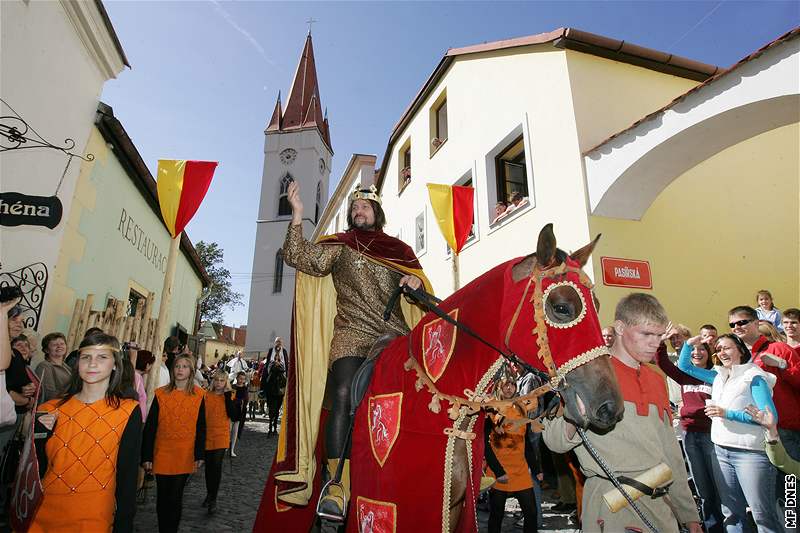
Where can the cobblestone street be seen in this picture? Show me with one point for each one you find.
(243, 480)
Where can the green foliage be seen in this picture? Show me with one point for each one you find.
(222, 294)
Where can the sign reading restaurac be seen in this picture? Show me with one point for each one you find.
(626, 273)
(17, 209)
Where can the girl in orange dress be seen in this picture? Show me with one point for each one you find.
(512, 460)
(220, 409)
(89, 464)
(174, 440)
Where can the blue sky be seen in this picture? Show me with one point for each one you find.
(205, 75)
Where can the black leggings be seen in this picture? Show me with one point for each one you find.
(497, 508)
(214, 459)
(273, 410)
(340, 379)
(169, 501)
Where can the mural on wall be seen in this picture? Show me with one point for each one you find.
(32, 280)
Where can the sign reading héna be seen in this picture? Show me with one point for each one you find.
(133, 233)
(17, 209)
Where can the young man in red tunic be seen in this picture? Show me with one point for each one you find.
(644, 437)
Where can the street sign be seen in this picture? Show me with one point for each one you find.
(626, 273)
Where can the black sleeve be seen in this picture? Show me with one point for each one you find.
(200, 433)
(149, 435)
(531, 453)
(488, 452)
(40, 437)
(128, 473)
(230, 405)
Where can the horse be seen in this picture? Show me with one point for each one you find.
(415, 463)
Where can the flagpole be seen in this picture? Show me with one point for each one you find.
(456, 282)
(163, 312)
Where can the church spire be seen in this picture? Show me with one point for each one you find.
(303, 107)
(275, 121)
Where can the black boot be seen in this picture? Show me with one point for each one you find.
(205, 502)
(212, 507)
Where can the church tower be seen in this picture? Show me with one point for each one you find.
(297, 148)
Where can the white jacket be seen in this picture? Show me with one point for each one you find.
(731, 390)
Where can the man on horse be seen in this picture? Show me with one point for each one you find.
(366, 266)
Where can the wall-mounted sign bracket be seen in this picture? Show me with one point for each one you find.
(17, 134)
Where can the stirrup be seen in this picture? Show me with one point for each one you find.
(324, 494)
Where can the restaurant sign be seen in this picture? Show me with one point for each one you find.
(18, 209)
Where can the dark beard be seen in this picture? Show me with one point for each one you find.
(363, 227)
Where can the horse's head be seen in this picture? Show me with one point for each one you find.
(564, 323)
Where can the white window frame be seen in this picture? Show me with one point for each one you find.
(424, 248)
(491, 174)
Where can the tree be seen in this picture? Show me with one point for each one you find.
(221, 295)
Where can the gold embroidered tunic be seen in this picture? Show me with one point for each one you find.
(363, 288)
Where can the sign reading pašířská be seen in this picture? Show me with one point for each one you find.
(18, 209)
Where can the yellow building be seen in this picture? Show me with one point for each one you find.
(707, 189)
(519, 115)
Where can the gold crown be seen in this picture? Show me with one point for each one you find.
(365, 194)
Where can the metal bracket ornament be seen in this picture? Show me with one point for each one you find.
(32, 280)
(17, 134)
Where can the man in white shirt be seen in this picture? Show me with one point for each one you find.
(238, 364)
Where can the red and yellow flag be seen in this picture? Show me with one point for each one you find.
(182, 185)
(452, 206)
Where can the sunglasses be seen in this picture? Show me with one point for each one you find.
(740, 323)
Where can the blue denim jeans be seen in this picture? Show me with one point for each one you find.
(747, 478)
(702, 457)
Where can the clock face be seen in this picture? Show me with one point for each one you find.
(288, 156)
(322, 166)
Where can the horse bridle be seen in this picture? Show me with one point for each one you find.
(556, 376)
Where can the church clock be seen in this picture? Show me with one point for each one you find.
(288, 156)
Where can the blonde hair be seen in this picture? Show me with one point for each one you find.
(767, 329)
(683, 331)
(640, 308)
(189, 389)
(217, 374)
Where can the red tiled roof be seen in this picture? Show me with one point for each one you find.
(564, 38)
(789, 35)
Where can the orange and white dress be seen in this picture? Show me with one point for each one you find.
(175, 432)
(90, 467)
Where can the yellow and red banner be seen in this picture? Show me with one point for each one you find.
(182, 185)
(452, 206)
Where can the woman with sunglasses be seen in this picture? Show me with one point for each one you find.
(745, 477)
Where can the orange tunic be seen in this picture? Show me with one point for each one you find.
(177, 426)
(80, 482)
(218, 425)
(509, 448)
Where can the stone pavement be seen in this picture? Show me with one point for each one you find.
(243, 481)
